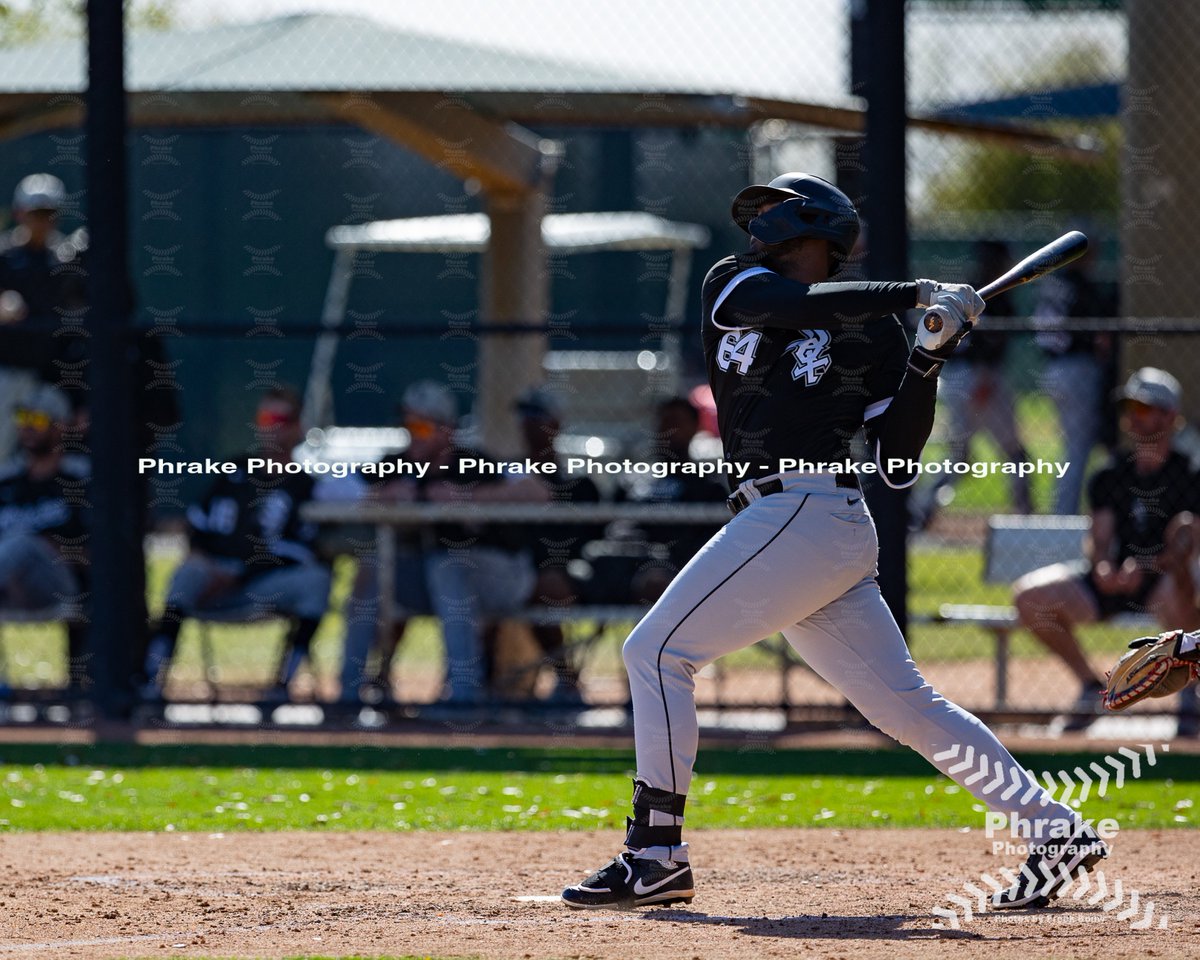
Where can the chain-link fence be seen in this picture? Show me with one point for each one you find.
(351, 199)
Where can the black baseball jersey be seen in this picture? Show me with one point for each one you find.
(1067, 295)
(1144, 503)
(50, 279)
(255, 518)
(797, 368)
(50, 506)
(682, 541)
(463, 467)
(557, 543)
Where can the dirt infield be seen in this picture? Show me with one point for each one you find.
(820, 893)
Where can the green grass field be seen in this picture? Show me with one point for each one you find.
(221, 789)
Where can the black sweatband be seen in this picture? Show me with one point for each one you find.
(925, 364)
(640, 835)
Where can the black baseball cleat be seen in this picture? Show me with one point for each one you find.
(1051, 868)
(630, 881)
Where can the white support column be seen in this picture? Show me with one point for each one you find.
(515, 288)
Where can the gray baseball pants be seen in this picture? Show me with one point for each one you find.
(804, 562)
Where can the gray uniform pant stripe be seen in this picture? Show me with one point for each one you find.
(809, 574)
(695, 607)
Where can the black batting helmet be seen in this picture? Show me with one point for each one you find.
(808, 207)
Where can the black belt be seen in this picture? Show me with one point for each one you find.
(738, 501)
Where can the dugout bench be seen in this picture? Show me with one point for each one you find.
(590, 622)
(1015, 545)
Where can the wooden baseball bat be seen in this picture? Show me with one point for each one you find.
(1058, 253)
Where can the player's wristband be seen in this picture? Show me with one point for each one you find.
(925, 364)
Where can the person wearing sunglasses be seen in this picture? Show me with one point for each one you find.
(43, 536)
(1142, 548)
(473, 573)
(249, 549)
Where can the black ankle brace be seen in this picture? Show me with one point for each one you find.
(641, 830)
(639, 835)
(647, 798)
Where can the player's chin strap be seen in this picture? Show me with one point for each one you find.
(657, 819)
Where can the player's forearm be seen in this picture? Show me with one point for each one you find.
(905, 427)
(772, 300)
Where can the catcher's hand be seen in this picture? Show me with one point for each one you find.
(1153, 667)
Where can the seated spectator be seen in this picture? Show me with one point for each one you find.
(42, 525)
(473, 572)
(364, 676)
(249, 548)
(1141, 551)
(555, 546)
(651, 556)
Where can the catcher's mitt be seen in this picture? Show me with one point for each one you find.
(1153, 667)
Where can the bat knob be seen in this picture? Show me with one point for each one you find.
(933, 322)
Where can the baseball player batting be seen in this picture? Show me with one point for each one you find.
(798, 365)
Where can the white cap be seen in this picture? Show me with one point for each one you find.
(1153, 387)
(39, 191)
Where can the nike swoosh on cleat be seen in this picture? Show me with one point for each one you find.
(641, 890)
(850, 502)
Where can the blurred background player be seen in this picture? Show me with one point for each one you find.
(555, 547)
(1140, 553)
(974, 394)
(250, 550)
(41, 278)
(1077, 370)
(473, 572)
(366, 657)
(633, 563)
(43, 531)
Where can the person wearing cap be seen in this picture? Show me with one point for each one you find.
(428, 414)
(1142, 546)
(250, 550)
(41, 276)
(473, 572)
(555, 546)
(35, 259)
(43, 532)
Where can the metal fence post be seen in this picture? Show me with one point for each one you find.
(117, 618)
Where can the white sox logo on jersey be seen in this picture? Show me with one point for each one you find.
(812, 356)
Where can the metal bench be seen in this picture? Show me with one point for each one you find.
(1015, 545)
